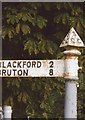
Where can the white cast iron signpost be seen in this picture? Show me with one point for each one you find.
(72, 43)
(66, 68)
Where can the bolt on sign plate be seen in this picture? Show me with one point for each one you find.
(31, 68)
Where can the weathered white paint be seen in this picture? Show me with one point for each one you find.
(71, 69)
(7, 112)
(71, 74)
(48, 68)
(72, 52)
(72, 39)
(67, 68)
(70, 110)
(71, 42)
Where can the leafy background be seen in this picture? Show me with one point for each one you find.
(35, 31)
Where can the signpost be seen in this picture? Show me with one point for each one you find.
(66, 68)
(72, 43)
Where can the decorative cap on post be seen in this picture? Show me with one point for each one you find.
(72, 39)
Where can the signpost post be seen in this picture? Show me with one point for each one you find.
(72, 43)
(66, 68)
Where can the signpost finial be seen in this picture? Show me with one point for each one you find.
(72, 39)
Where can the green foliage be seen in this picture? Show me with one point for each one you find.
(31, 46)
(25, 29)
(17, 21)
(41, 22)
(35, 30)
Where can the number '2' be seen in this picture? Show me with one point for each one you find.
(51, 64)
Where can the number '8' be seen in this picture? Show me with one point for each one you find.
(51, 72)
